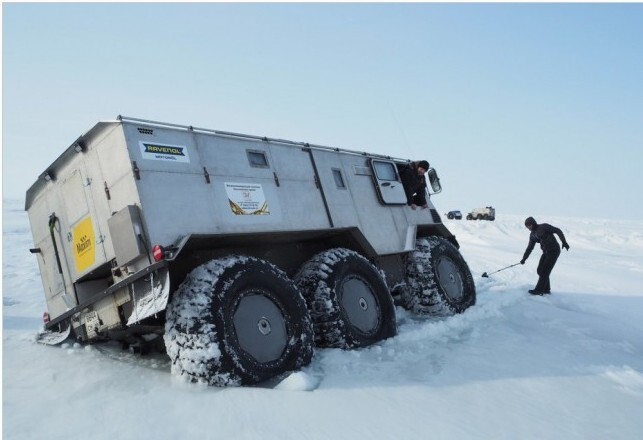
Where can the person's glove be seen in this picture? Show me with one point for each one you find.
(522, 261)
(566, 246)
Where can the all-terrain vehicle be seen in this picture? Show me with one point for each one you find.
(486, 213)
(239, 253)
(454, 215)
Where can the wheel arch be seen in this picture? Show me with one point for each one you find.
(437, 230)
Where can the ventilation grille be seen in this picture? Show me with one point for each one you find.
(145, 130)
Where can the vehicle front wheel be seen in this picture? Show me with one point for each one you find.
(237, 321)
(438, 280)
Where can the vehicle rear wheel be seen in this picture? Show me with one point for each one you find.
(438, 280)
(237, 321)
(348, 299)
(450, 216)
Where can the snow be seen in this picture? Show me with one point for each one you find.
(565, 366)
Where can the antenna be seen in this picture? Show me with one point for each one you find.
(399, 127)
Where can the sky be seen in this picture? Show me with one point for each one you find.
(535, 109)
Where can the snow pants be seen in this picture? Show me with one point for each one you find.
(545, 266)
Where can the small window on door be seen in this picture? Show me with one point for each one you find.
(385, 171)
(339, 179)
(257, 159)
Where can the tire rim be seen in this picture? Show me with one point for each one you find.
(260, 327)
(449, 278)
(360, 304)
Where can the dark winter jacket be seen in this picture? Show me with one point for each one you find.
(414, 185)
(544, 234)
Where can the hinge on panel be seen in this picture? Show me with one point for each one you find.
(317, 181)
(137, 172)
(276, 178)
(206, 175)
(109, 197)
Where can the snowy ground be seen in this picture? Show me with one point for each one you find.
(566, 366)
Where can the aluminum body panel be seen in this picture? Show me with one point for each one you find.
(200, 183)
(76, 197)
(126, 232)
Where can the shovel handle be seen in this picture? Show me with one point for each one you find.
(487, 274)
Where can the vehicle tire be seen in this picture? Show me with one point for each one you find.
(348, 299)
(469, 217)
(237, 321)
(438, 280)
(485, 217)
(450, 216)
(479, 217)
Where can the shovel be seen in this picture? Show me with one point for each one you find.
(486, 275)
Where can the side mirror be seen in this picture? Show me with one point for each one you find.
(434, 180)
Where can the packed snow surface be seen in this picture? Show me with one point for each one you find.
(565, 366)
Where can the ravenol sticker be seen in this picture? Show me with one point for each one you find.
(84, 245)
(247, 199)
(171, 153)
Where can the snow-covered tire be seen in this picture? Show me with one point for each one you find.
(438, 280)
(237, 321)
(348, 299)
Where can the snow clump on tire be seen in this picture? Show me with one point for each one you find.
(210, 342)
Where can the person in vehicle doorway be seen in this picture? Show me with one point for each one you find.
(414, 183)
(544, 234)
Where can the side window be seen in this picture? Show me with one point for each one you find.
(257, 159)
(385, 171)
(339, 179)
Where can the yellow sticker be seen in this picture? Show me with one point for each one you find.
(84, 253)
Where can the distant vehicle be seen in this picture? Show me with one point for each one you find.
(486, 213)
(454, 215)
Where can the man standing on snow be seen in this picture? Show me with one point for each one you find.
(543, 234)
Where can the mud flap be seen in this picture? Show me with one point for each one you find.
(52, 337)
(150, 295)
